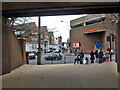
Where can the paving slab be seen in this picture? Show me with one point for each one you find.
(63, 76)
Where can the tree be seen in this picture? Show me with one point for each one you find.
(21, 26)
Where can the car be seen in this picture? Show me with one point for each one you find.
(31, 56)
(54, 56)
(51, 50)
(47, 51)
(57, 51)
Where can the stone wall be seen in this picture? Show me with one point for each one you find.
(11, 51)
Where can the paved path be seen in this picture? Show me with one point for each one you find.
(63, 76)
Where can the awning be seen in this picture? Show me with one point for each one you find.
(93, 32)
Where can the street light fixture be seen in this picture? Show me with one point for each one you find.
(68, 29)
(67, 24)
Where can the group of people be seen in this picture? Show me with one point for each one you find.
(98, 54)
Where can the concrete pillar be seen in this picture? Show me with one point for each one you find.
(27, 58)
(39, 41)
(22, 45)
(118, 43)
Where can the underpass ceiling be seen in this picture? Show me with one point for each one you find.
(23, 9)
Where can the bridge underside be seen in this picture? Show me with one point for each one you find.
(27, 9)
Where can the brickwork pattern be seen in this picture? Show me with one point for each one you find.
(88, 41)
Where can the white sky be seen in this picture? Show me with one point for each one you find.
(55, 21)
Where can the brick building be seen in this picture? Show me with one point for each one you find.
(51, 38)
(45, 36)
(91, 30)
(31, 36)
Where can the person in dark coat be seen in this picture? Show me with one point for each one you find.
(76, 59)
(86, 58)
(92, 57)
(100, 55)
(96, 55)
(81, 54)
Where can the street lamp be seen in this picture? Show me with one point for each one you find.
(67, 24)
(68, 33)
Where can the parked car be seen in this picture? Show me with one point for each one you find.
(31, 56)
(57, 51)
(54, 56)
(49, 51)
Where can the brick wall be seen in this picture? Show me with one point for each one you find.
(6, 61)
(88, 41)
(11, 51)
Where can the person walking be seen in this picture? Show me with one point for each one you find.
(75, 52)
(100, 55)
(96, 55)
(107, 56)
(76, 59)
(92, 57)
(86, 58)
(81, 54)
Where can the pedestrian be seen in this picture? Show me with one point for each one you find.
(76, 59)
(45, 51)
(96, 55)
(75, 52)
(86, 58)
(107, 55)
(100, 55)
(92, 57)
(81, 54)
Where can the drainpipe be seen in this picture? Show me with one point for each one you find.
(39, 41)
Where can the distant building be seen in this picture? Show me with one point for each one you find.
(31, 36)
(29, 32)
(60, 40)
(44, 37)
(51, 38)
(91, 31)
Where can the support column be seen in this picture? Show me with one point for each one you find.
(118, 43)
(22, 45)
(39, 41)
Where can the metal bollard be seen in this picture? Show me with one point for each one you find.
(65, 59)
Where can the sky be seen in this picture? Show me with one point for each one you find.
(61, 28)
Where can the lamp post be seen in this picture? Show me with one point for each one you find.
(67, 24)
(68, 29)
(39, 41)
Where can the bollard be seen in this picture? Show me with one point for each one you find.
(65, 59)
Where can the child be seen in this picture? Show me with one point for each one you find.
(86, 58)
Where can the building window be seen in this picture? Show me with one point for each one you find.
(46, 36)
(35, 46)
(35, 33)
(41, 36)
(32, 46)
(35, 39)
(32, 39)
(113, 23)
(32, 34)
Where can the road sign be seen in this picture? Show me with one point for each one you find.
(75, 45)
(108, 38)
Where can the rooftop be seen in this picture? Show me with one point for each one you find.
(88, 18)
